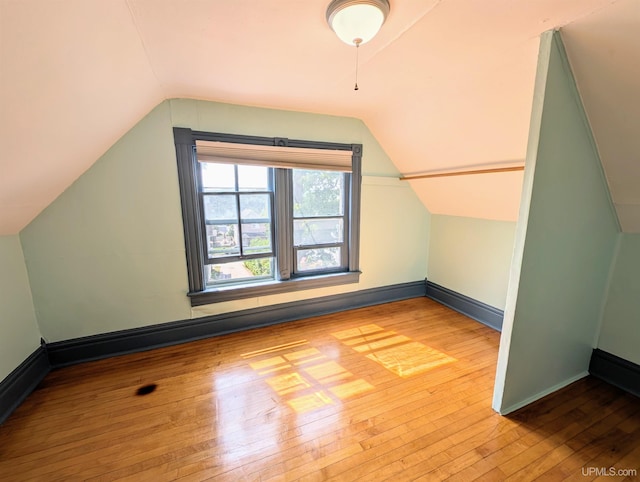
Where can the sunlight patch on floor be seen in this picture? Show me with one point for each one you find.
(351, 388)
(376, 345)
(359, 331)
(310, 402)
(288, 383)
(321, 381)
(273, 349)
(410, 359)
(397, 353)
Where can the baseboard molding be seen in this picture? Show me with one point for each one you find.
(485, 314)
(542, 394)
(616, 371)
(22, 381)
(96, 347)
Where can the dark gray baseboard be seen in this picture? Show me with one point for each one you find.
(22, 381)
(485, 314)
(616, 371)
(106, 345)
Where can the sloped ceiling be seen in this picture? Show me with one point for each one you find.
(604, 52)
(446, 84)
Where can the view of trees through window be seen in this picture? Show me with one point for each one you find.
(318, 219)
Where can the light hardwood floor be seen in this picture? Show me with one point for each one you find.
(400, 391)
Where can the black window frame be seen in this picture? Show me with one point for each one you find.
(286, 280)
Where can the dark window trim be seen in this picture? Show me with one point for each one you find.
(188, 180)
(271, 287)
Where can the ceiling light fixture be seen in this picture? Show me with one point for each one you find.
(355, 22)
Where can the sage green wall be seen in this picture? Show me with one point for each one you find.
(566, 243)
(19, 333)
(108, 254)
(620, 329)
(471, 256)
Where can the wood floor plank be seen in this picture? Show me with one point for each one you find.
(304, 401)
(502, 448)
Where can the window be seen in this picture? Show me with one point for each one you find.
(238, 223)
(319, 221)
(267, 215)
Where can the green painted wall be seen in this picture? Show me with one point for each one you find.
(108, 253)
(620, 330)
(565, 239)
(471, 256)
(19, 333)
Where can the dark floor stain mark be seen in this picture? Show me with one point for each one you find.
(146, 389)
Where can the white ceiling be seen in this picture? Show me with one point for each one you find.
(445, 84)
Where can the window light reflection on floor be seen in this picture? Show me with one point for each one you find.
(304, 377)
(308, 380)
(328, 372)
(288, 383)
(310, 402)
(397, 353)
(410, 359)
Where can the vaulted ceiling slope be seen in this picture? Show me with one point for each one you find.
(604, 52)
(446, 83)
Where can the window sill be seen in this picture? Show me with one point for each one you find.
(230, 293)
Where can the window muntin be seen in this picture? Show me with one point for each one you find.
(237, 209)
(296, 268)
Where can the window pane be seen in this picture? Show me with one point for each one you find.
(318, 259)
(317, 231)
(253, 269)
(317, 193)
(222, 240)
(256, 238)
(217, 177)
(255, 206)
(253, 178)
(220, 207)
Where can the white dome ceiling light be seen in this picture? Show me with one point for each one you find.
(355, 22)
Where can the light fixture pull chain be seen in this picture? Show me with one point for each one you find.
(357, 41)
